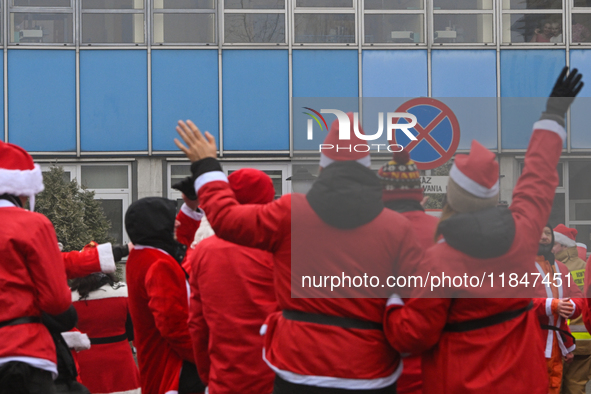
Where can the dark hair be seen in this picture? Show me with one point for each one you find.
(93, 282)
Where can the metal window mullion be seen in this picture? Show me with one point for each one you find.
(462, 12)
(37, 10)
(256, 11)
(113, 11)
(181, 11)
(566, 185)
(290, 37)
(344, 11)
(498, 36)
(532, 12)
(5, 71)
(566, 38)
(393, 12)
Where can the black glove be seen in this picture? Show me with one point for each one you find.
(187, 187)
(563, 94)
(120, 251)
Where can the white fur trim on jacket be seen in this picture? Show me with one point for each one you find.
(134, 391)
(76, 340)
(551, 125)
(105, 291)
(472, 186)
(211, 176)
(105, 253)
(204, 231)
(21, 182)
(334, 382)
(564, 240)
(195, 215)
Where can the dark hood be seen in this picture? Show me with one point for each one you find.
(346, 195)
(150, 221)
(482, 234)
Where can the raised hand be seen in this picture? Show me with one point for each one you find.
(564, 92)
(198, 146)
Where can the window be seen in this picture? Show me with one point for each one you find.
(401, 21)
(324, 21)
(184, 22)
(532, 21)
(581, 22)
(41, 22)
(463, 21)
(112, 22)
(254, 21)
(111, 184)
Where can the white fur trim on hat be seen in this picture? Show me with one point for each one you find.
(325, 161)
(76, 340)
(21, 182)
(564, 240)
(471, 186)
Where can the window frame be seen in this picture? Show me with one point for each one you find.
(562, 12)
(424, 12)
(295, 10)
(493, 12)
(162, 11)
(229, 11)
(11, 9)
(79, 24)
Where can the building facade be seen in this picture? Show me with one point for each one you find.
(97, 86)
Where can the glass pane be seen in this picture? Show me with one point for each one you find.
(545, 28)
(558, 210)
(105, 177)
(584, 234)
(254, 28)
(532, 4)
(254, 4)
(40, 28)
(394, 5)
(41, 3)
(463, 28)
(393, 28)
(114, 213)
(112, 4)
(324, 3)
(184, 28)
(182, 4)
(581, 29)
(582, 3)
(331, 28)
(113, 28)
(179, 172)
(462, 5)
(277, 178)
(580, 191)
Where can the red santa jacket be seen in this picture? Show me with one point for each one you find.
(189, 223)
(565, 288)
(424, 226)
(33, 281)
(108, 366)
(489, 359)
(158, 304)
(232, 294)
(310, 353)
(92, 258)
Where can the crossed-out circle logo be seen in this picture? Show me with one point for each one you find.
(356, 144)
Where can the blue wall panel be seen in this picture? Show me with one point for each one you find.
(468, 79)
(390, 73)
(580, 115)
(255, 99)
(42, 99)
(114, 100)
(325, 73)
(527, 77)
(184, 86)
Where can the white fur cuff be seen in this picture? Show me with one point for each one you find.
(76, 340)
(105, 252)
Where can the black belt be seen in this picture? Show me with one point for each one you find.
(20, 320)
(562, 332)
(328, 320)
(486, 321)
(105, 340)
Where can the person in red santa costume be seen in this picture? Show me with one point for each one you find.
(232, 293)
(94, 257)
(317, 344)
(158, 300)
(488, 344)
(403, 193)
(108, 366)
(33, 280)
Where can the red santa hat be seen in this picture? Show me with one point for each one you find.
(251, 186)
(19, 176)
(473, 180)
(565, 236)
(344, 150)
